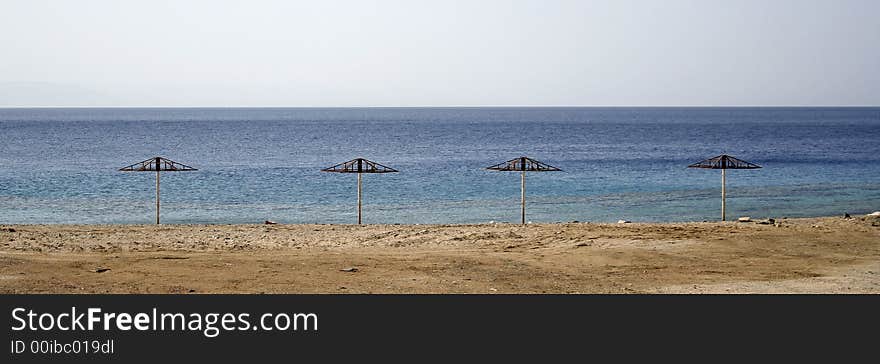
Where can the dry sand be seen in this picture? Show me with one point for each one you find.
(817, 255)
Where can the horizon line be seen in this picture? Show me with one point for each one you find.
(429, 106)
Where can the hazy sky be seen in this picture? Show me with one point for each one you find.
(439, 53)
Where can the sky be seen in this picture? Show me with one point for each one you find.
(439, 53)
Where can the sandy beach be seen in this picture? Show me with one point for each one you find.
(812, 255)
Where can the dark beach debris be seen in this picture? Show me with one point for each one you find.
(171, 257)
(8, 230)
(100, 270)
(349, 269)
(270, 222)
(581, 244)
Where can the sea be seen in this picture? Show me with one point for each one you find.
(61, 165)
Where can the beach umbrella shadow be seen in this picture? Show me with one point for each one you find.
(157, 164)
(523, 164)
(724, 162)
(359, 166)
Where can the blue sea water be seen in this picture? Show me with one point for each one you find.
(256, 164)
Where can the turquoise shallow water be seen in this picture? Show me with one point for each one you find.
(60, 165)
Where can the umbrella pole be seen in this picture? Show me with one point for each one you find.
(523, 197)
(157, 197)
(359, 198)
(723, 195)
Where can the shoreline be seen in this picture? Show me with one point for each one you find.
(795, 255)
(754, 218)
(856, 215)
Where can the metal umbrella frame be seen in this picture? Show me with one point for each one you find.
(359, 166)
(158, 164)
(523, 164)
(724, 162)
